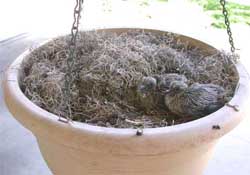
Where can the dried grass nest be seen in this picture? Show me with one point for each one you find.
(107, 70)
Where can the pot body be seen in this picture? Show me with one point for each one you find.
(77, 148)
(64, 160)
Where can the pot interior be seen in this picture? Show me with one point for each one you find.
(100, 103)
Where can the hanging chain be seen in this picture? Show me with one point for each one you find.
(72, 55)
(227, 23)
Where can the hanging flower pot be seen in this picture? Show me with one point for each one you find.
(72, 147)
(127, 101)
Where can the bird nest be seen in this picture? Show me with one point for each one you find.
(108, 70)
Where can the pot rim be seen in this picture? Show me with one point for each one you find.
(226, 117)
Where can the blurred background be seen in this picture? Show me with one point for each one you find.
(201, 19)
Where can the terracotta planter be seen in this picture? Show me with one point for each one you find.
(78, 148)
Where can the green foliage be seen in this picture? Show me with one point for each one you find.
(147, 2)
(238, 13)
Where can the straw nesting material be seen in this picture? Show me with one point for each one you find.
(107, 70)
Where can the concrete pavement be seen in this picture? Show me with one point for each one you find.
(19, 152)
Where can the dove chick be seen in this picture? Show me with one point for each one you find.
(147, 85)
(146, 91)
(164, 80)
(197, 101)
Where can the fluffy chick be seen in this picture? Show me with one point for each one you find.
(164, 81)
(146, 91)
(196, 101)
(147, 85)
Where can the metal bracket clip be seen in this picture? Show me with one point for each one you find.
(235, 107)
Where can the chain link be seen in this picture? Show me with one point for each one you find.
(227, 23)
(72, 55)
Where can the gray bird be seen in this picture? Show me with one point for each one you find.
(164, 80)
(196, 101)
(146, 92)
(147, 85)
